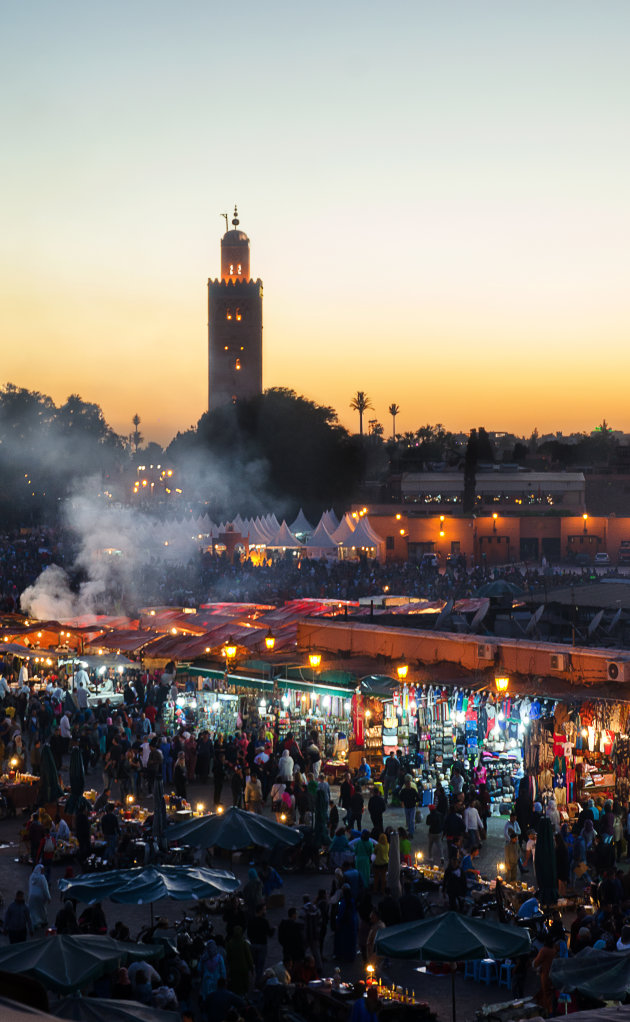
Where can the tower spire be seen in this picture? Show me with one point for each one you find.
(235, 221)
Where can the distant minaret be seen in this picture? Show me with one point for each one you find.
(234, 324)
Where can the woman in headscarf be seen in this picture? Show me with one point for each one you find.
(240, 963)
(381, 862)
(38, 897)
(211, 969)
(363, 850)
(285, 766)
(278, 789)
(346, 927)
(320, 835)
(340, 850)
(252, 892)
(179, 776)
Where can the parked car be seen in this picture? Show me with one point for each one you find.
(602, 558)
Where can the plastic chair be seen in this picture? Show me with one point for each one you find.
(471, 970)
(487, 971)
(566, 1000)
(505, 974)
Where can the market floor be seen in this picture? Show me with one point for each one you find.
(436, 990)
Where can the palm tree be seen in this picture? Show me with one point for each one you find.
(393, 411)
(360, 403)
(136, 436)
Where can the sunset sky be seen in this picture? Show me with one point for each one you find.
(437, 196)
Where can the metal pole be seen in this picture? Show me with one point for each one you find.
(453, 971)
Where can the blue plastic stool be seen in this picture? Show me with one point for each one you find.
(487, 971)
(471, 970)
(566, 1000)
(505, 974)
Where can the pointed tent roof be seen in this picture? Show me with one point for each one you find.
(256, 535)
(263, 528)
(238, 524)
(301, 526)
(321, 539)
(369, 531)
(284, 538)
(344, 530)
(272, 523)
(363, 536)
(330, 520)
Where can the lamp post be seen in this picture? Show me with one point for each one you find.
(229, 652)
(585, 520)
(502, 683)
(402, 671)
(270, 641)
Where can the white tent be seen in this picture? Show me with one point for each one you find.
(330, 520)
(271, 523)
(284, 539)
(264, 529)
(363, 541)
(321, 543)
(301, 526)
(256, 537)
(344, 530)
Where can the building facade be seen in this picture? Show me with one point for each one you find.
(234, 324)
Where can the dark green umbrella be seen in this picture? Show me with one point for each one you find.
(545, 863)
(498, 589)
(65, 963)
(604, 975)
(158, 827)
(234, 830)
(452, 938)
(49, 787)
(144, 885)
(98, 1009)
(75, 801)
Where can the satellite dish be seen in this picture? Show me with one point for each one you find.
(479, 616)
(615, 621)
(595, 623)
(534, 619)
(444, 614)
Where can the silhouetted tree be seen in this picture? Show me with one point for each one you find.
(136, 436)
(393, 410)
(360, 402)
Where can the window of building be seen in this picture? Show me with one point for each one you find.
(228, 313)
(455, 546)
(238, 268)
(231, 268)
(389, 542)
(239, 315)
(237, 364)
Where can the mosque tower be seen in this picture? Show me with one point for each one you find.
(234, 324)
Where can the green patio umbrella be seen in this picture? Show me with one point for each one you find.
(101, 1009)
(604, 975)
(234, 829)
(545, 863)
(452, 938)
(144, 885)
(49, 787)
(75, 801)
(65, 963)
(500, 588)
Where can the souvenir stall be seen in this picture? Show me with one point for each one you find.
(306, 709)
(577, 751)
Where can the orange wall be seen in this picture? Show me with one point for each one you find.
(499, 538)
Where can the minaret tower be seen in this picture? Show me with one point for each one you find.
(234, 324)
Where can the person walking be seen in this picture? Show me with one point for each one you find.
(391, 771)
(381, 862)
(435, 823)
(38, 897)
(259, 931)
(409, 800)
(179, 775)
(17, 920)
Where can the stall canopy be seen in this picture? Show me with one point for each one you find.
(321, 542)
(97, 1009)
(284, 539)
(234, 829)
(65, 963)
(142, 886)
(301, 526)
(601, 974)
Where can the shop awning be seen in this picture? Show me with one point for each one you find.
(238, 680)
(297, 685)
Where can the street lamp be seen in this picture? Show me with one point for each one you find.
(270, 640)
(585, 519)
(402, 671)
(494, 521)
(502, 683)
(315, 660)
(441, 525)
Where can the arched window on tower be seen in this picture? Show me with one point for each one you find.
(239, 315)
(228, 313)
(237, 364)
(231, 269)
(238, 268)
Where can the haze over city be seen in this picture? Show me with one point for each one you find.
(436, 197)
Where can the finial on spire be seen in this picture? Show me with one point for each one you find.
(235, 221)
